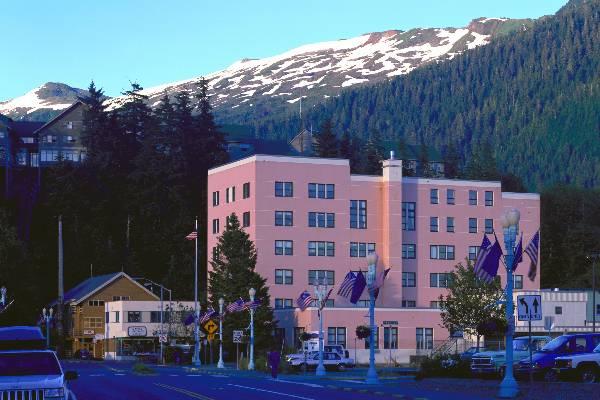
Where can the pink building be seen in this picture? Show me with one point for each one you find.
(310, 218)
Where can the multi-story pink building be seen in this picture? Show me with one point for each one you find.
(310, 218)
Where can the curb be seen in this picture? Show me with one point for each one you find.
(372, 392)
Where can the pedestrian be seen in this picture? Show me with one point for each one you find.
(274, 359)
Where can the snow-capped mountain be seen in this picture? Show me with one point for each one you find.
(313, 72)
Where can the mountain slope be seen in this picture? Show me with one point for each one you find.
(534, 96)
(253, 88)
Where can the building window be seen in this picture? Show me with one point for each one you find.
(336, 335)
(409, 303)
(434, 196)
(597, 309)
(134, 316)
(215, 253)
(424, 338)
(558, 310)
(70, 139)
(317, 276)
(409, 251)
(96, 303)
(93, 322)
(489, 198)
(284, 218)
(517, 281)
(473, 197)
(284, 189)
(284, 277)
(408, 279)
(376, 339)
(390, 337)
(321, 220)
(49, 139)
(155, 316)
(441, 252)
(284, 248)
(472, 225)
(121, 298)
(215, 198)
(35, 159)
(440, 280)
(449, 224)
(69, 124)
(489, 225)
(473, 251)
(434, 304)
(321, 249)
(358, 214)
(246, 190)
(246, 219)
(450, 196)
(362, 304)
(321, 191)
(49, 155)
(117, 316)
(360, 249)
(215, 226)
(284, 303)
(27, 140)
(433, 224)
(408, 216)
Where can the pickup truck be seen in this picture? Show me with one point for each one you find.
(566, 345)
(27, 371)
(585, 367)
(494, 362)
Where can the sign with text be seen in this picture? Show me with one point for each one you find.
(88, 331)
(529, 307)
(137, 331)
(237, 336)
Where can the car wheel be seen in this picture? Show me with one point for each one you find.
(550, 375)
(341, 367)
(588, 375)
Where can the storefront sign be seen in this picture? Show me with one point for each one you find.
(390, 323)
(88, 331)
(137, 331)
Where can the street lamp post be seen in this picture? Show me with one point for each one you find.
(47, 316)
(220, 364)
(251, 292)
(594, 256)
(197, 361)
(320, 292)
(149, 283)
(510, 223)
(371, 279)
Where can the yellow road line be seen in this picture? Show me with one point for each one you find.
(193, 395)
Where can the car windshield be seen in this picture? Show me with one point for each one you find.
(520, 345)
(21, 364)
(555, 344)
(597, 349)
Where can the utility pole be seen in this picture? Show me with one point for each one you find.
(59, 311)
(594, 256)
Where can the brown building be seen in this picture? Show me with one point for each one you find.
(60, 138)
(85, 304)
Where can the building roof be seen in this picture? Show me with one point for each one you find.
(62, 114)
(25, 128)
(91, 285)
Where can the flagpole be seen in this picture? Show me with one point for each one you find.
(197, 361)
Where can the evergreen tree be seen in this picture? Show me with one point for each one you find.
(423, 165)
(233, 274)
(94, 120)
(373, 154)
(451, 162)
(326, 141)
(349, 150)
(404, 155)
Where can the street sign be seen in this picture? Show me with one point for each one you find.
(211, 336)
(162, 338)
(210, 326)
(529, 307)
(237, 336)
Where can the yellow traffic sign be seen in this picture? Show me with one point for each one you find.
(211, 336)
(210, 327)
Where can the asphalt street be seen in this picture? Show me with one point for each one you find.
(107, 381)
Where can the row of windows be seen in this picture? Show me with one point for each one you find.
(216, 225)
(53, 139)
(451, 197)
(473, 226)
(289, 303)
(230, 194)
(337, 336)
(443, 280)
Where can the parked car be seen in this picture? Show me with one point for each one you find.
(584, 367)
(467, 355)
(83, 354)
(329, 348)
(330, 361)
(494, 362)
(566, 345)
(27, 372)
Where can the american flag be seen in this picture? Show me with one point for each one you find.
(304, 300)
(325, 299)
(192, 236)
(207, 315)
(347, 285)
(251, 304)
(518, 256)
(236, 306)
(485, 247)
(532, 251)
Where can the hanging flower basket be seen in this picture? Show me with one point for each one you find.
(363, 332)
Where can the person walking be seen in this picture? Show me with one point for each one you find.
(274, 359)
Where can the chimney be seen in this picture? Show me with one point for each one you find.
(392, 155)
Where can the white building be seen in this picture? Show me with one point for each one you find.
(133, 327)
(566, 307)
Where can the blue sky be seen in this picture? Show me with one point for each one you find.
(156, 41)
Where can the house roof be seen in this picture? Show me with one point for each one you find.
(25, 128)
(91, 285)
(62, 114)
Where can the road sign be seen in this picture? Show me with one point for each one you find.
(529, 307)
(210, 326)
(211, 336)
(162, 338)
(237, 336)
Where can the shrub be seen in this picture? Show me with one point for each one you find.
(142, 369)
(444, 366)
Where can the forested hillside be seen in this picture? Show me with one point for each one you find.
(534, 96)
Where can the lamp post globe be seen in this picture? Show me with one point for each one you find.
(252, 293)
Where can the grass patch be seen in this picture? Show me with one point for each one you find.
(142, 369)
